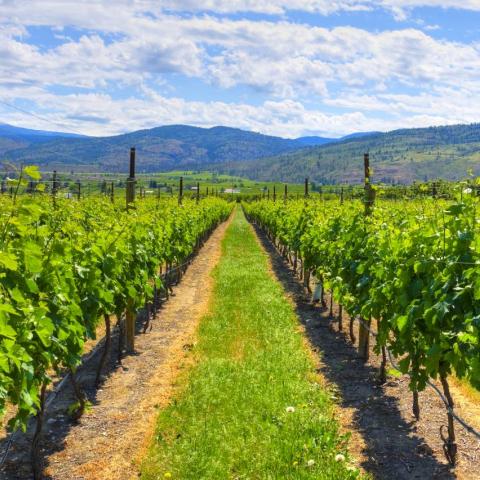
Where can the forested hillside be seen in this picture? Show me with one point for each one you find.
(159, 149)
(399, 156)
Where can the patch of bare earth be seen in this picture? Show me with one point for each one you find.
(386, 440)
(110, 439)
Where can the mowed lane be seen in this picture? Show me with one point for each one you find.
(252, 405)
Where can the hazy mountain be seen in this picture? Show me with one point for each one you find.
(313, 141)
(14, 138)
(12, 132)
(161, 148)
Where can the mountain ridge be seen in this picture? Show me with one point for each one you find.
(450, 152)
(159, 148)
(402, 155)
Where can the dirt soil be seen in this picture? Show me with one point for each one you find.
(110, 439)
(386, 440)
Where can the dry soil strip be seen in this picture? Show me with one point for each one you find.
(110, 440)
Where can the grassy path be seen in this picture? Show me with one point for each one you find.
(251, 406)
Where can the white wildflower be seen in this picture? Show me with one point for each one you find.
(290, 409)
(339, 457)
(467, 190)
(310, 463)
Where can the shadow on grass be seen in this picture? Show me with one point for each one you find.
(393, 450)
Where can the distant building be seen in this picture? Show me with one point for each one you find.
(231, 190)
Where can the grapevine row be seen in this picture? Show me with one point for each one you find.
(66, 265)
(412, 267)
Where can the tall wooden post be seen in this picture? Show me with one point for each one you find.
(54, 188)
(112, 193)
(274, 194)
(369, 192)
(306, 188)
(341, 196)
(285, 194)
(130, 191)
(206, 193)
(268, 194)
(79, 190)
(180, 191)
(363, 333)
(198, 192)
(129, 314)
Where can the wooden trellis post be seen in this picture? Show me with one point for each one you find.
(180, 191)
(130, 314)
(54, 188)
(363, 333)
(130, 190)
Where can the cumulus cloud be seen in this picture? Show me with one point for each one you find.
(348, 77)
(100, 114)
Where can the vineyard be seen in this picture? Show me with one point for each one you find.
(76, 271)
(65, 266)
(408, 269)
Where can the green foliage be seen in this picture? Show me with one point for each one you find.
(65, 264)
(413, 266)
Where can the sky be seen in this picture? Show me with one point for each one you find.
(280, 67)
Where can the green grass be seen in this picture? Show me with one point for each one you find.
(230, 420)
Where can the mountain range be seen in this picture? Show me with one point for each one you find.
(158, 149)
(399, 156)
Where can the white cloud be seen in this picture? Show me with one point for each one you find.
(406, 73)
(99, 114)
(401, 8)
(285, 59)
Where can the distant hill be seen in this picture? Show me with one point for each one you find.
(158, 149)
(11, 131)
(357, 135)
(313, 141)
(14, 138)
(403, 156)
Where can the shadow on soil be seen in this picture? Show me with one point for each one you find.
(393, 450)
(58, 422)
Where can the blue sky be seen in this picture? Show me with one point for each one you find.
(289, 68)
